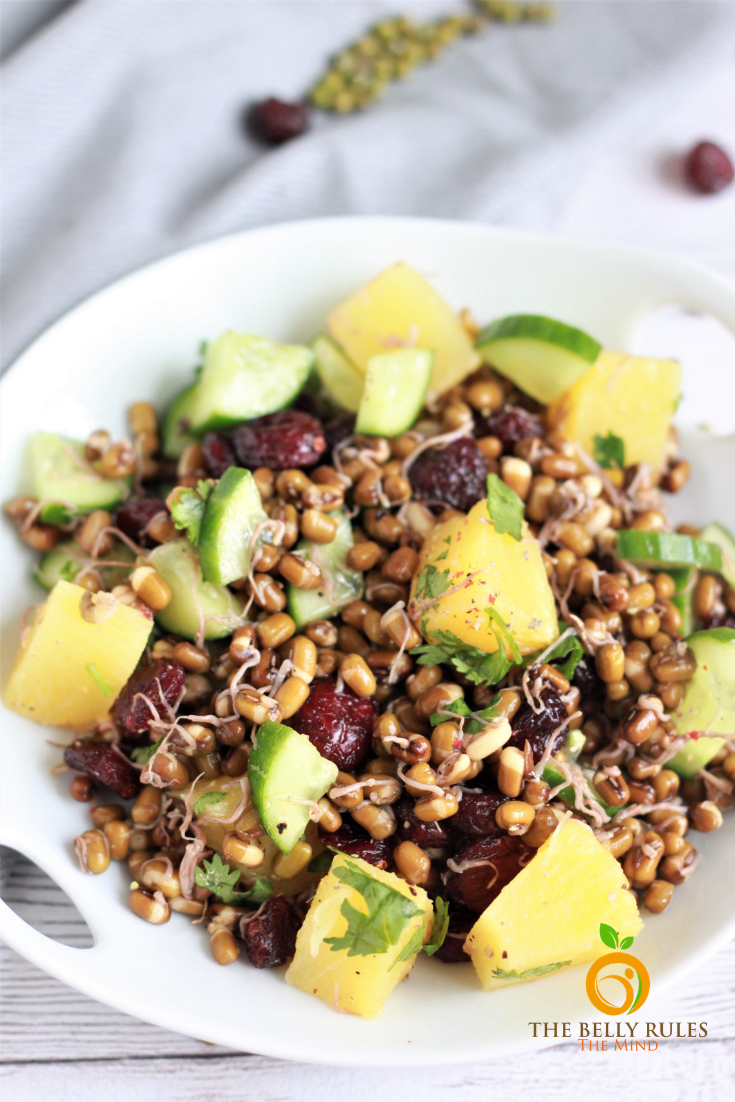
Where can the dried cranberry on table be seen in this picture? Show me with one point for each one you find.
(103, 764)
(455, 474)
(276, 121)
(476, 887)
(460, 924)
(510, 425)
(412, 829)
(708, 168)
(538, 727)
(356, 842)
(290, 438)
(158, 685)
(218, 454)
(133, 517)
(270, 939)
(338, 724)
(476, 812)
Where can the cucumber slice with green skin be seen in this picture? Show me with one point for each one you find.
(715, 533)
(61, 474)
(194, 602)
(234, 510)
(342, 583)
(176, 435)
(543, 357)
(67, 560)
(286, 775)
(246, 376)
(709, 700)
(553, 777)
(396, 383)
(342, 380)
(683, 577)
(661, 550)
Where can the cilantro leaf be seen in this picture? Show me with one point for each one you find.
(388, 913)
(609, 451)
(459, 708)
(413, 946)
(143, 754)
(217, 877)
(441, 925)
(53, 512)
(529, 973)
(445, 552)
(208, 798)
(69, 570)
(502, 634)
(321, 862)
(505, 507)
(569, 649)
(101, 682)
(187, 510)
(477, 665)
(430, 584)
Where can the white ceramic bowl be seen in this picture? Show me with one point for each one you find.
(138, 340)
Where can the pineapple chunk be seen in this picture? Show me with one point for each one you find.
(633, 397)
(358, 908)
(69, 672)
(548, 917)
(508, 574)
(399, 308)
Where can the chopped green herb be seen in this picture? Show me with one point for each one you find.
(144, 754)
(442, 557)
(505, 507)
(430, 584)
(413, 946)
(477, 665)
(529, 973)
(609, 451)
(217, 877)
(56, 513)
(101, 682)
(208, 798)
(388, 912)
(441, 925)
(187, 510)
(69, 570)
(321, 862)
(569, 649)
(460, 708)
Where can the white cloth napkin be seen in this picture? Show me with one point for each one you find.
(122, 136)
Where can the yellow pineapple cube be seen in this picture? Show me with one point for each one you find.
(548, 917)
(69, 671)
(360, 938)
(400, 309)
(633, 397)
(488, 569)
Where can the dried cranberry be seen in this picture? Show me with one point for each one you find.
(289, 438)
(338, 430)
(585, 678)
(460, 924)
(133, 713)
(134, 517)
(100, 761)
(476, 812)
(412, 829)
(270, 939)
(351, 839)
(510, 425)
(476, 888)
(340, 725)
(538, 728)
(454, 475)
(275, 121)
(720, 620)
(708, 168)
(218, 454)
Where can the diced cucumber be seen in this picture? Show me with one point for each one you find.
(234, 510)
(176, 432)
(67, 560)
(287, 774)
(246, 376)
(661, 550)
(62, 474)
(683, 577)
(709, 700)
(715, 533)
(575, 740)
(543, 357)
(342, 584)
(396, 383)
(342, 380)
(554, 777)
(195, 604)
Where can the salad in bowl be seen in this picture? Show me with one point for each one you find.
(384, 645)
